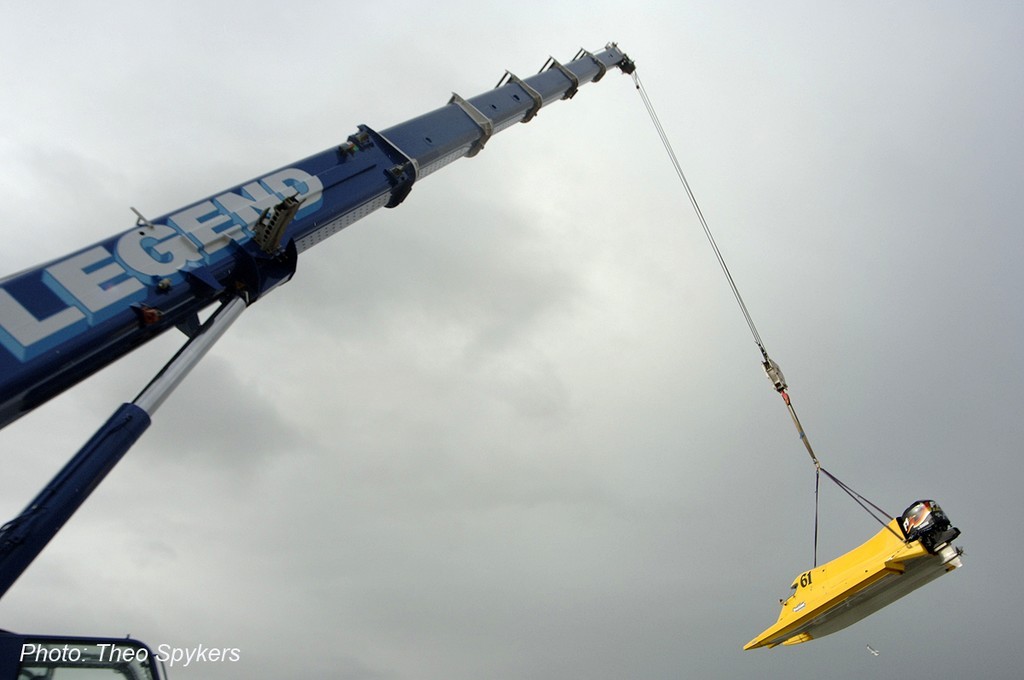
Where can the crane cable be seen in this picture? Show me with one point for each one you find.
(771, 368)
(700, 214)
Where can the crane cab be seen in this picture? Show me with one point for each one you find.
(27, 657)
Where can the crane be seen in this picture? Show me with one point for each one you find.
(66, 319)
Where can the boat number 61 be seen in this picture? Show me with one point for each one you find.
(805, 579)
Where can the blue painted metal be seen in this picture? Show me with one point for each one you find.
(23, 538)
(64, 320)
(68, 318)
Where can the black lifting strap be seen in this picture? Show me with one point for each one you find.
(876, 512)
(817, 486)
(774, 374)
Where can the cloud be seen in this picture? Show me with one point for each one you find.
(516, 426)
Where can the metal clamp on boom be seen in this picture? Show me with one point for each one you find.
(482, 121)
(602, 69)
(575, 82)
(538, 100)
(402, 175)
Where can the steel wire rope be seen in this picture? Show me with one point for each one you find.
(769, 365)
(700, 214)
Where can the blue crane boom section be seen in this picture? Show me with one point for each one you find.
(64, 320)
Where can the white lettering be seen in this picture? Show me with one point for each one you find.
(176, 655)
(36, 653)
(19, 328)
(92, 280)
(112, 653)
(306, 187)
(156, 251)
(247, 207)
(211, 228)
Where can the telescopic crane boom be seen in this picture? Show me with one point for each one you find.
(64, 320)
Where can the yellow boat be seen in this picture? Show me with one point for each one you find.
(909, 552)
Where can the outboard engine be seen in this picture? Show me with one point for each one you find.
(925, 521)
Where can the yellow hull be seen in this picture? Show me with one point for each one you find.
(841, 592)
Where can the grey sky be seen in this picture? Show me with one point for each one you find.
(516, 428)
